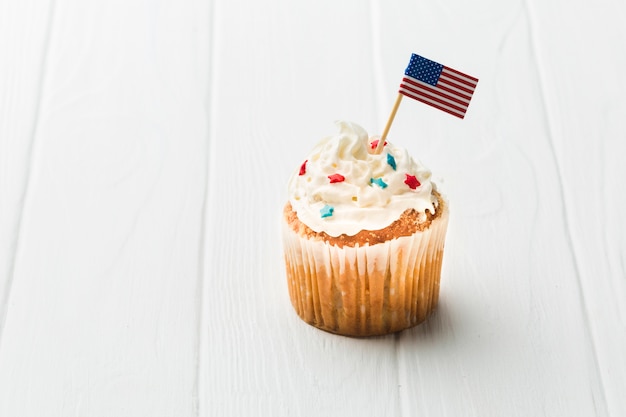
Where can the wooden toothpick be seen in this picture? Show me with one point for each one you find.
(381, 142)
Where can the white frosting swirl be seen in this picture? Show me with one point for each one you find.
(372, 194)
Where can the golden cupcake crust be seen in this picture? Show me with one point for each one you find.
(408, 224)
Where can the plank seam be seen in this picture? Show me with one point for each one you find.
(200, 405)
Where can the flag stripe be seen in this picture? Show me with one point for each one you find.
(435, 98)
(457, 113)
(453, 93)
(460, 82)
(425, 89)
(426, 98)
(455, 89)
(463, 93)
(449, 79)
(462, 75)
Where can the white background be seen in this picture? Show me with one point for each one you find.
(145, 148)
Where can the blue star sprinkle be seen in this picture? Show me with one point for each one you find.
(379, 182)
(391, 161)
(327, 211)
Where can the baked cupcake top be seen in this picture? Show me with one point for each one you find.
(344, 187)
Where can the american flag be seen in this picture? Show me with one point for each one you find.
(437, 85)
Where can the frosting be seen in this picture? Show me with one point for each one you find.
(343, 187)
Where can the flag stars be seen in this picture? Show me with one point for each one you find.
(424, 69)
(326, 211)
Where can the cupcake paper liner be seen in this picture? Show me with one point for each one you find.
(365, 290)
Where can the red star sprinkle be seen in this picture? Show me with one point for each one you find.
(374, 144)
(303, 167)
(336, 178)
(411, 181)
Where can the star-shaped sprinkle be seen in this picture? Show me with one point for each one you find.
(336, 178)
(411, 181)
(391, 161)
(374, 143)
(379, 182)
(303, 167)
(327, 211)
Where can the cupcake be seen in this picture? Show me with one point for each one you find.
(363, 236)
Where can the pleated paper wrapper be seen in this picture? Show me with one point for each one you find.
(367, 290)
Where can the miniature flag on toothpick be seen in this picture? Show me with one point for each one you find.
(434, 84)
(437, 85)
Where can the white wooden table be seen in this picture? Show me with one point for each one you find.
(145, 148)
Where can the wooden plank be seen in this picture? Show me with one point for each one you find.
(103, 313)
(24, 30)
(580, 55)
(284, 72)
